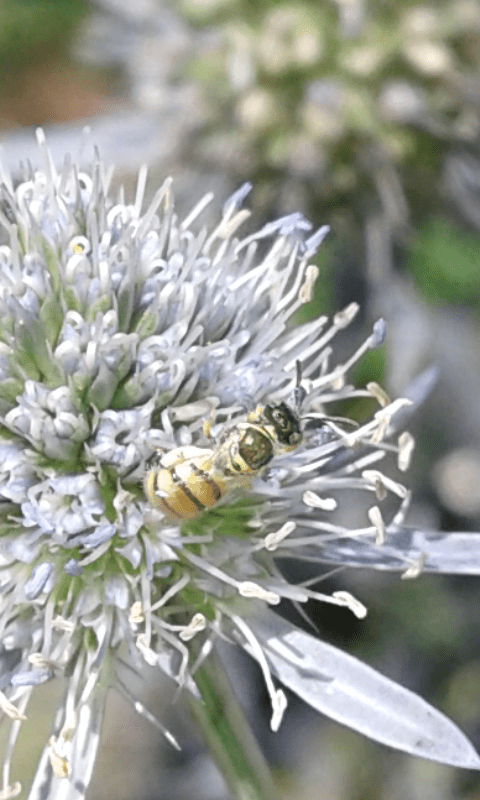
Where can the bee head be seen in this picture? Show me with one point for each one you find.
(285, 423)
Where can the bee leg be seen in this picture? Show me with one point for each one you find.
(207, 425)
(256, 416)
(166, 460)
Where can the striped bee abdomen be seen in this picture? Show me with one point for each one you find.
(184, 489)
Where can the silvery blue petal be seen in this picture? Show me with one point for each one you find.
(73, 568)
(84, 750)
(358, 696)
(450, 553)
(314, 241)
(379, 333)
(291, 223)
(116, 592)
(37, 580)
(33, 677)
(132, 552)
(237, 198)
(417, 392)
(101, 534)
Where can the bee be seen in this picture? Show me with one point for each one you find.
(190, 479)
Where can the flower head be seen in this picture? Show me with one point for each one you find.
(128, 335)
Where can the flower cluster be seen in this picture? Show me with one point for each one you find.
(123, 330)
(348, 99)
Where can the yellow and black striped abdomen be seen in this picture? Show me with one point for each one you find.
(183, 489)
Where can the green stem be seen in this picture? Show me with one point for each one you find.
(229, 736)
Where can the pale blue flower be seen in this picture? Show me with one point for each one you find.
(123, 330)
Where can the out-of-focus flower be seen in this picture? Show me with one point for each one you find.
(124, 330)
(362, 108)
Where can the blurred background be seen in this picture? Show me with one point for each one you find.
(362, 115)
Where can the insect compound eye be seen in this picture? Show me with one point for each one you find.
(286, 424)
(278, 417)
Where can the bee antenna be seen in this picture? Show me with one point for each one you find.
(317, 420)
(298, 371)
(299, 393)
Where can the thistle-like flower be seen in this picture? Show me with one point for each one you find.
(132, 341)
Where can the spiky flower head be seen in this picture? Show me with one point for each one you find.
(125, 331)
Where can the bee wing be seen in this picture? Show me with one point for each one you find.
(204, 460)
(188, 453)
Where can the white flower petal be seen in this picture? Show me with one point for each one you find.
(345, 689)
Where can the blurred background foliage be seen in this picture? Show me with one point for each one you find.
(38, 80)
(365, 116)
(444, 262)
(32, 31)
